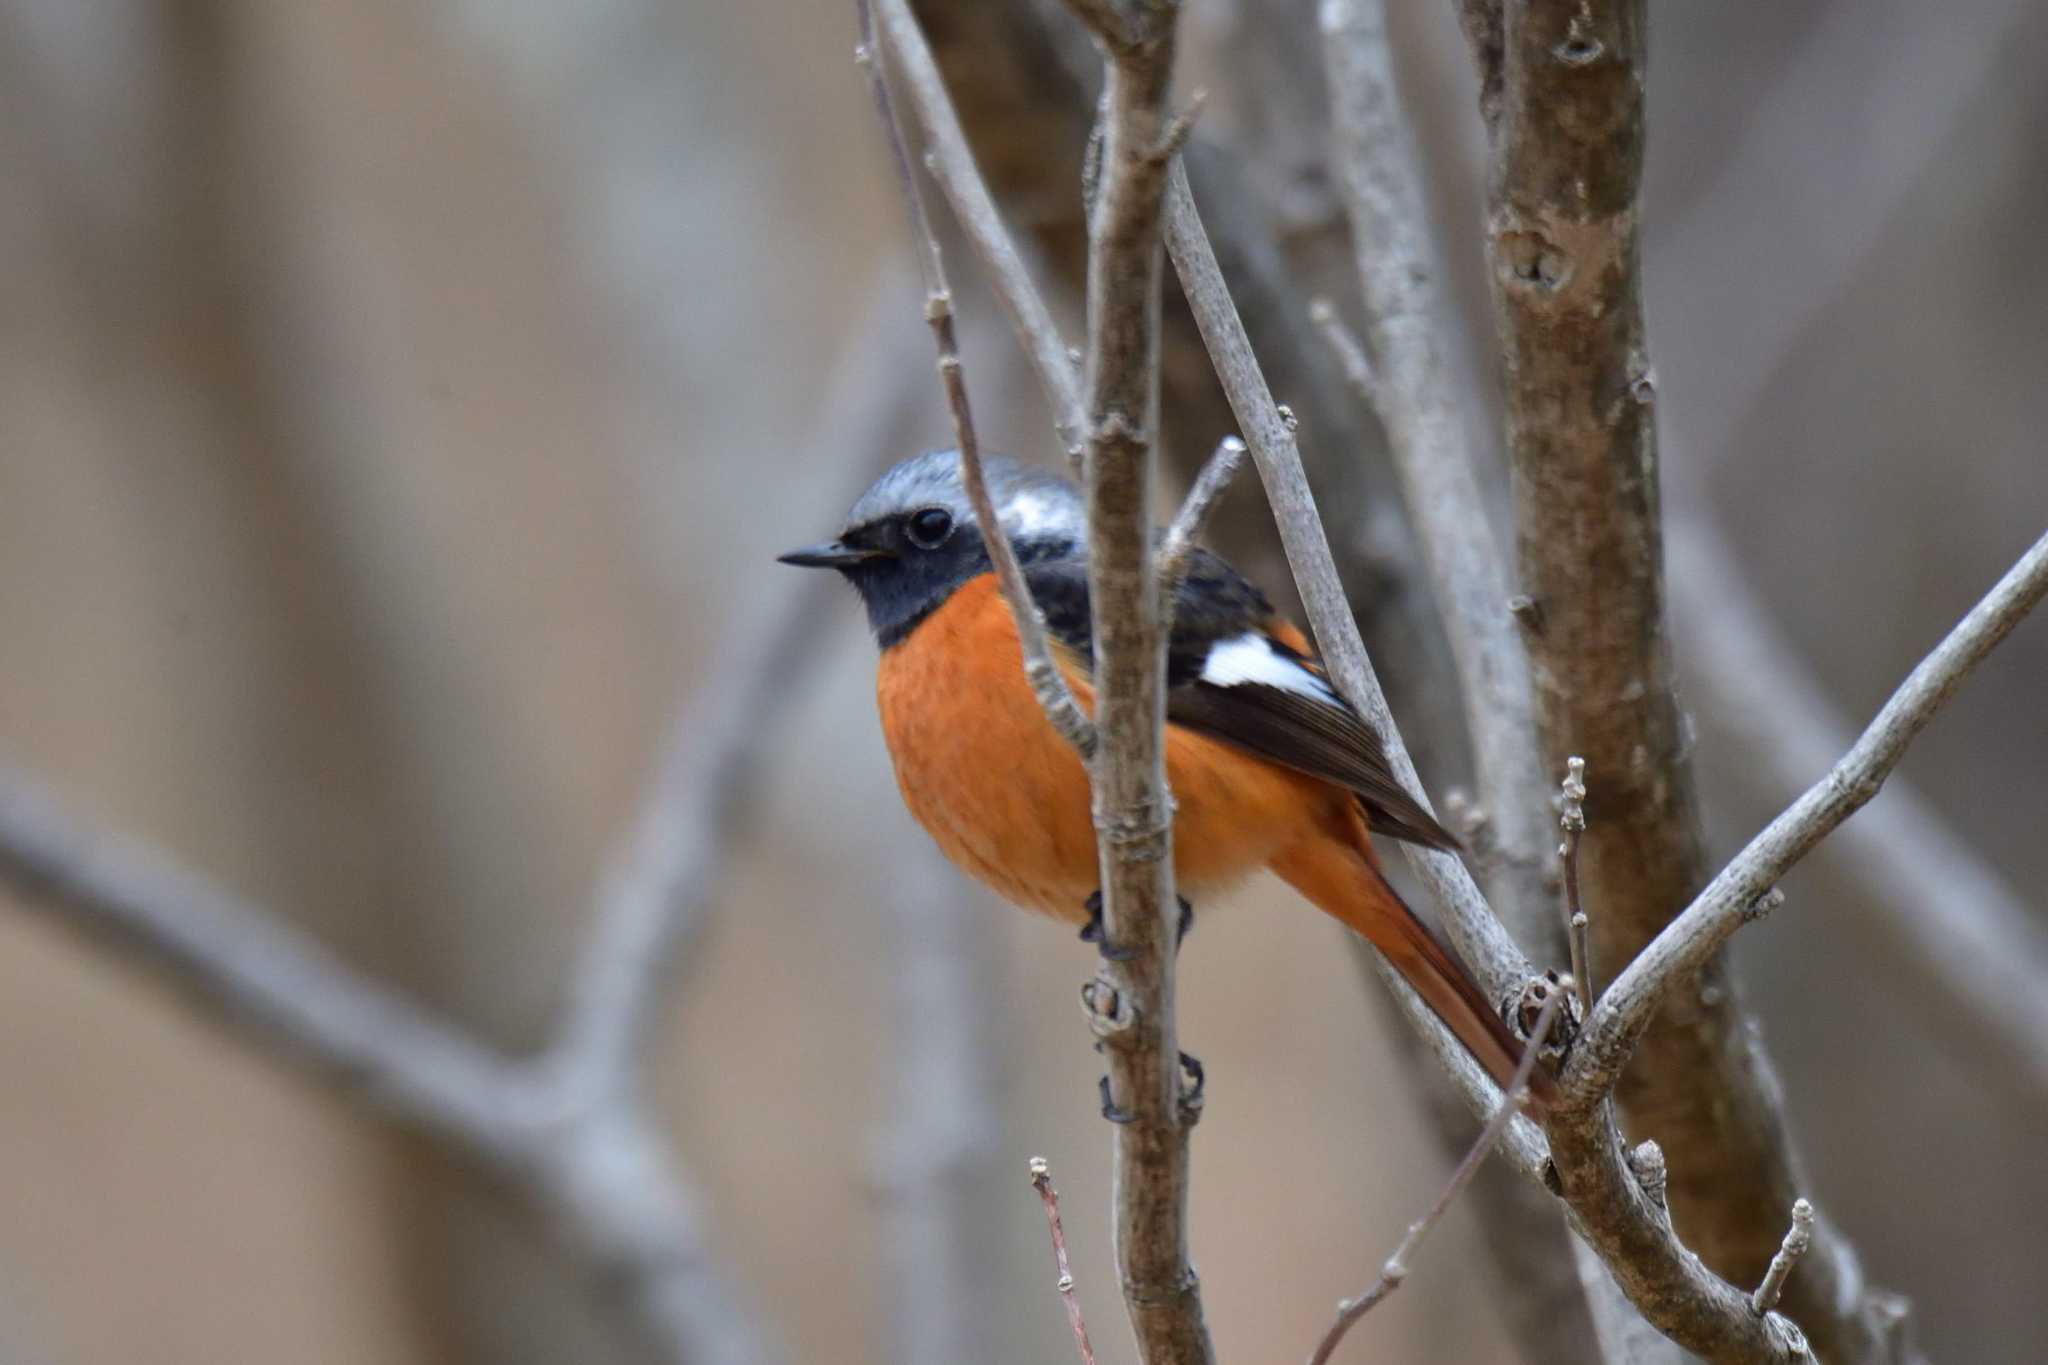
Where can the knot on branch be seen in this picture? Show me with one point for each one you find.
(1642, 378)
(1532, 261)
(1111, 1014)
(1761, 907)
(1526, 1012)
(1579, 46)
(1527, 611)
(1192, 1088)
(1653, 1177)
(1177, 129)
(1140, 835)
(1115, 430)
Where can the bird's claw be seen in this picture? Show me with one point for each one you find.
(1092, 931)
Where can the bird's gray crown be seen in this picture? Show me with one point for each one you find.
(1034, 504)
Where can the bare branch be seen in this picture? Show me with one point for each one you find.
(1133, 809)
(276, 983)
(1947, 921)
(1797, 1239)
(1436, 455)
(938, 1163)
(951, 162)
(1626, 1008)
(597, 1170)
(1047, 682)
(1041, 1180)
(566, 1129)
(1194, 512)
(1571, 818)
(1396, 1268)
(650, 899)
(1470, 924)
(1623, 1220)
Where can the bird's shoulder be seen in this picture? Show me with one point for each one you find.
(1238, 672)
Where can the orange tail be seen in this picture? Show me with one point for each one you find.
(1342, 879)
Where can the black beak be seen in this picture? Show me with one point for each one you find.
(833, 554)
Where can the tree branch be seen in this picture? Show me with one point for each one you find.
(951, 163)
(1798, 1238)
(1187, 525)
(1566, 160)
(1041, 1180)
(1947, 921)
(1728, 902)
(1133, 809)
(597, 1170)
(1477, 934)
(1395, 1271)
(567, 1129)
(1047, 682)
(1411, 388)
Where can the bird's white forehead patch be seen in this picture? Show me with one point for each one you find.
(1032, 514)
(1251, 658)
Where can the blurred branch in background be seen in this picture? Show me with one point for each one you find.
(568, 1128)
(592, 1164)
(1947, 921)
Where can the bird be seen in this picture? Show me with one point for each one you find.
(1269, 767)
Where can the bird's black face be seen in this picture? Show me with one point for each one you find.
(904, 566)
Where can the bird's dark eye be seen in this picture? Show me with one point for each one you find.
(929, 528)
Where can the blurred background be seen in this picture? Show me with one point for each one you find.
(401, 402)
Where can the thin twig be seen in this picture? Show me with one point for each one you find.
(1478, 936)
(1041, 1180)
(1047, 681)
(1628, 1005)
(1571, 818)
(1797, 1239)
(1438, 457)
(1177, 547)
(951, 161)
(1395, 1271)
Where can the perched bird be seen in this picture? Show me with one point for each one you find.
(1269, 767)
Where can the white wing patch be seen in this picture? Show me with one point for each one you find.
(1251, 658)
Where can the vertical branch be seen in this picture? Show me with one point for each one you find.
(1565, 172)
(952, 164)
(1434, 452)
(1041, 1180)
(937, 1159)
(1047, 682)
(1562, 224)
(1133, 810)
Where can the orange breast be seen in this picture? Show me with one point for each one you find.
(1007, 799)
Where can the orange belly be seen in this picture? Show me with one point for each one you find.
(1007, 799)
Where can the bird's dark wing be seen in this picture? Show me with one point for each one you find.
(1228, 677)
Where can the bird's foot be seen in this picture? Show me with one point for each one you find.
(1093, 932)
(1109, 1109)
